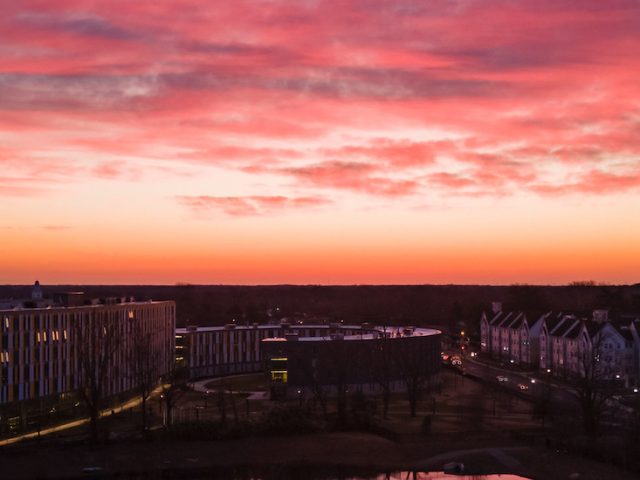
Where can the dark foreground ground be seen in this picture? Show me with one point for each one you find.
(301, 456)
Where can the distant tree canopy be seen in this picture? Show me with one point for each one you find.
(442, 305)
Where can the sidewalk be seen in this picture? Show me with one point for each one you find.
(134, 402)
(200, 386)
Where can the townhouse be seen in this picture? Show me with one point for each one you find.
(510, 336)
(565, 345)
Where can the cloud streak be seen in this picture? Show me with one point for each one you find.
(249, 205)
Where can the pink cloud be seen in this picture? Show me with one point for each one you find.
(395, 153)
(534, 82)
(594, 182)
(360, 177)
(249, 205)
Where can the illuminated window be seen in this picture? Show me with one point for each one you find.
(279, 376)
(130, 314)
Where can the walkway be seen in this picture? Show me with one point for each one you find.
(201, 386)
(76, 423)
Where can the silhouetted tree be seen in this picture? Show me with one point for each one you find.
(591, 388)
(97, 342)
(338, 366)
(542, 403)
(318, 390)
(381, 364)
(174, 386)
(143, 366)
(411, 363)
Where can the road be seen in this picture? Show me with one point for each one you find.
(562, 396)
(541, 386)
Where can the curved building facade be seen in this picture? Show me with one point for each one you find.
(233, 349)
(367, 363)
(301, 360)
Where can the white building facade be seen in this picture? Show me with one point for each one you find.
(40, 348)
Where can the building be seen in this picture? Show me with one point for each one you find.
(43, 351)
(308, 367)
(565, 345)
(231, 349)
(510, 336)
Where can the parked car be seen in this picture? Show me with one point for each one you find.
(502, 378)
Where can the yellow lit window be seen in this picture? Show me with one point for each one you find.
(279, 376)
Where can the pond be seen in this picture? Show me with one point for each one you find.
(302, 473)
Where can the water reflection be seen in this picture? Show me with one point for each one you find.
(432, 476)
(313, 474)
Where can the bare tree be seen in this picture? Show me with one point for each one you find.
(591, 387)
(222, 405)
(542, 403)
(143, 366)
(174, 386)
(97, 343)
(338, 364)
(411, 363)
(381, 367)
(227, 386)
(318, 390)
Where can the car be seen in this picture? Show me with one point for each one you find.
(523, 386)
(502, 378)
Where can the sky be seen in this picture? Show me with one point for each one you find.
(319, 142)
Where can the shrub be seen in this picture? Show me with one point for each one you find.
(426, 425)
(286, 420)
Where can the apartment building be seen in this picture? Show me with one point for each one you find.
(44, 350)
(510, 336)
(565, 345)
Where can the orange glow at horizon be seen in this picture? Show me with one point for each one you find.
(470, 142)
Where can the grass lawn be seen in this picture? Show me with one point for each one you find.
(252, 382)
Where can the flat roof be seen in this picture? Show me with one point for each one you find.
(394, 332)
(262, 326)
(62, 307)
